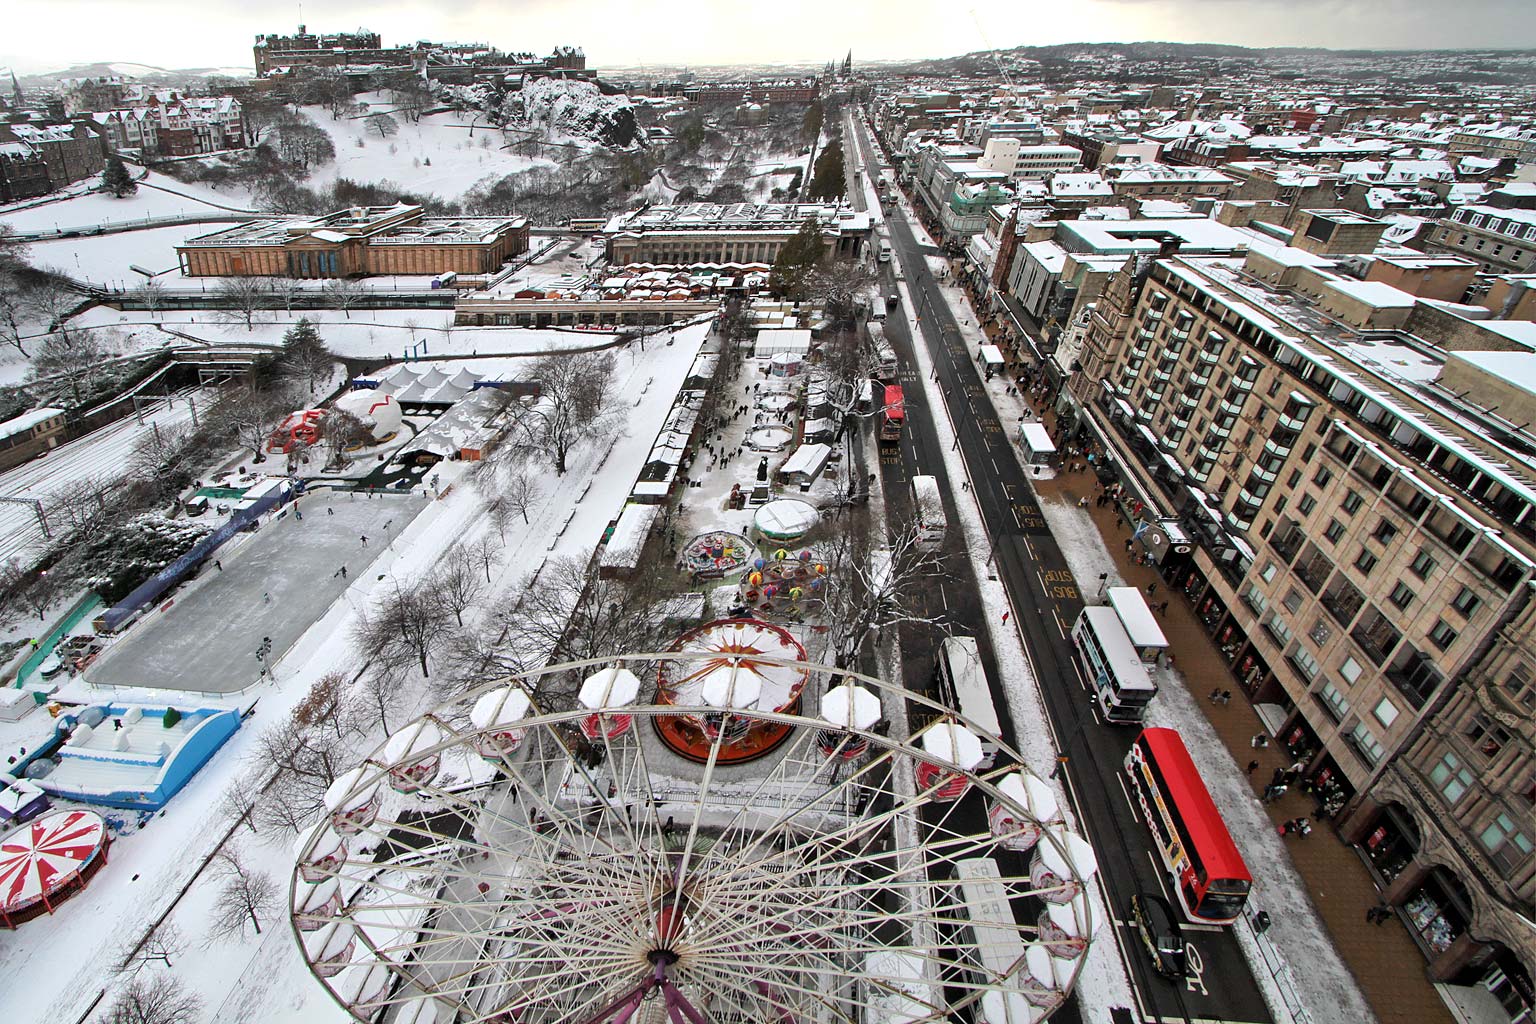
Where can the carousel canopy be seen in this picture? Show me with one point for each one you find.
(43, 856)
(1075, 856)
(609, 688)
(787, 518)
(348, 791)
(412, 738)
(738, 646)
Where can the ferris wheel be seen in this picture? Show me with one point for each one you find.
(494, 862)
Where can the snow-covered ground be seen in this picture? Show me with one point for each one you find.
(158, 196)
(54, 967)
(367, 333)
(103, 260)
(461, 156)
(99, 456)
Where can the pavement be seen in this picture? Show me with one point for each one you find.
(274, 583)
(1046, 602)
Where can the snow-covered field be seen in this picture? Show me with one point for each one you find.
(461, 157)
(53, 968)
(103, 260)
(158, 196)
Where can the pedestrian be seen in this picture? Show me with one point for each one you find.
(1215, 695)
(1278, 778)
(266, 598)
(1253, 766)
(365, 540)
(343, 572)
(965, 485)
(1082, 502)
(330, 511)
(1151, 589)
(117, 724)
(1170, 659)
(1260, 741)
(1226, 696)
(1303, 827)
(218, 565)
(1128, 541)
(1005, 618)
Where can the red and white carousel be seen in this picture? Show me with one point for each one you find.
(48, 860)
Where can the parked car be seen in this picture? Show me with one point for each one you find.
(1158, 928)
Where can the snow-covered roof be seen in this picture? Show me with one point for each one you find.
(27, 420)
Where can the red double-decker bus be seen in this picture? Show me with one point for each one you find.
(893, 415)
(1207, 870)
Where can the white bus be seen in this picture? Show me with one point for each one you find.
(1140, 624)
(963, 686)
(928, 513)
(884, 355)
(990, 920)
(1117, 675)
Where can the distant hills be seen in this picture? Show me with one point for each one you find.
(128, 69)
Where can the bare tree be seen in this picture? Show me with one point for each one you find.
(13, 313)
(378, 697)
(241, 800)
(250, 416)
(838, 286)
(247, 897)
(485, 554)
(157, 1000)
(456, 583)
(53, 301)
(304, 761)
(344, 432)
(522, 494)
(244, 300)
(152, 294)
(166, 451)
(324, 706)
(159, 946)
(499, 513)
(407, 625)
(871, 588)
(69, 357)
(575, 405)
(13, 251)
(570, 612)
(46, 588)
(344, 293)
(382, 125)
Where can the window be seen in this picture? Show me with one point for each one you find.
(1267, 574)
(1334, 701)
(1489, 739)
(1385, 712)
(1320, 633)
(1352, 502)
(1442, 636)
(1423, 564)
(1350, 670)
(1334, 532)
(1504, 841)
(1401, 596)
(1366, 562)
(1307, 665)
(1307, 502)
(1292, 600)
(1278, 629)
(1322, 476)
(1451, 779)
(1466, 602)
(1365, 744)
(1308, 452)
(1254, 598)
(1385, 531)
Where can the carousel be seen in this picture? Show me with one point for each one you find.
(785, 520)
(48, 860)
(777, 402)
(785, 586)
(714, 554)
(730, 665)
(770, 437)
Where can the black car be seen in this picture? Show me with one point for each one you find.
(1157, 925)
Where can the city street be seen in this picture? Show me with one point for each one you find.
(1046, 600)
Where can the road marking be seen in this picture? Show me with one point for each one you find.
(1135, 811)
(1060, 627)
(1159, 871)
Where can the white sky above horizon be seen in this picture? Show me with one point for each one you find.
(48, 35)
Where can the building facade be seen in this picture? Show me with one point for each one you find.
(361, 241)
(1359, 474)
(741, 233)
(38, 158)
(1503, 241)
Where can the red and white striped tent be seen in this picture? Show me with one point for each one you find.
(47, 860)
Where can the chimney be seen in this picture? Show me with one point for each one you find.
(1169, 245)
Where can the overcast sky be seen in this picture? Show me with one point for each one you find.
(43, 35)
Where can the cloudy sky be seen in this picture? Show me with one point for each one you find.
(43, 35)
